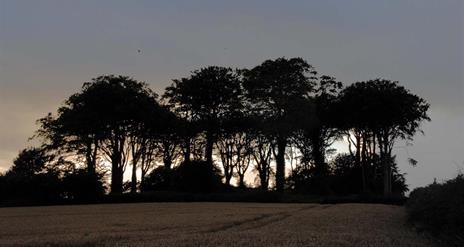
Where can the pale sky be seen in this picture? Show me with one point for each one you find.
(49, 48)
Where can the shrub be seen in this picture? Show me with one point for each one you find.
(158, 179)
(306, 181)
(345, 178)
(42, 187)
(439, 208)
(197, 176)
(81, 186)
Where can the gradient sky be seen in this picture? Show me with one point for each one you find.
(49, 48)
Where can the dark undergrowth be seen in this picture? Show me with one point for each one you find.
(438, 210)
(231, 196)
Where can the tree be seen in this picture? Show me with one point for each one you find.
(323, 133)
(318, 130)
(163, 144)
(30, 162)
(243, 158)
(73, 133)
(207, 97)
(273, 88)
(169, 138)
(108, 118)
(262, 155)
(32, 177)
(386, 111)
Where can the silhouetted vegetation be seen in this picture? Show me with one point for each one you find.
(343, 178)
(80, 186)
(190, 176)
(438, 208)
(276, 122)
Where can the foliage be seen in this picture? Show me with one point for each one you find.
(439, 208)
(277, 91)
(110, 116)
(193, 176)
(30, 161)
(29, 179)
(249, 119)
(207, 99)
(80, 186)
(343, 178)
(197, 176)
(382, 104)
(42, 187)
(158, 179)
(378, 112)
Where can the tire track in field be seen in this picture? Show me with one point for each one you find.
(258, 221)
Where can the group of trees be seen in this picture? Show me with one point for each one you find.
(37, 176)
(276, 118)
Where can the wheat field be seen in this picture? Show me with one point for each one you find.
(208, 224)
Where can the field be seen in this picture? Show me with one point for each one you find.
(208, 224)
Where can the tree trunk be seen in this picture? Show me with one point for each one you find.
(88, 158)
(318, 153)
(386, 182)
(94, 156)
(134, 178)
(357, 157)
(167, 163)
(263, 175)
(364, 164)
(228, 177)
(116, 169)
(241, 181)
(187, 150)
(280, 164)
(321, 169)
(116, 178)
(142, 179)
(265, 180)
(91, 157)
(209, 147)
(387, 188)
(357, 160)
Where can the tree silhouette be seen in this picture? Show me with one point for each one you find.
(31, 161)
(31, 178)
(272, 88)
(107, 118)
(318, 129)
(207, 97)
(262, 156)
(277, 112)
(388, 112)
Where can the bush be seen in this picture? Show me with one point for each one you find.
(193, 176)
(158, 179)
(80, 186)
(345, 178)
(20, 188)
(306, 181)
(439, 208)
(197, 176)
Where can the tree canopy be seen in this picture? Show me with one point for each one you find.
(276, 121)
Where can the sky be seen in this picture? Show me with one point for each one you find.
(49, 48)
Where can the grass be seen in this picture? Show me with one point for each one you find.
(208, 224)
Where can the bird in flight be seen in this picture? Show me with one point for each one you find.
(139, 51)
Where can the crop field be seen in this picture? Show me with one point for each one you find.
(208, 224)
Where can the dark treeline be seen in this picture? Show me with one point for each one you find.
(276, 121)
